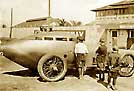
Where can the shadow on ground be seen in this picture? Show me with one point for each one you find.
(103, 83)
(92, 72)
(23, 73)
(69, 73)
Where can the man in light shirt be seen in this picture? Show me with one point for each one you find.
(80, 52)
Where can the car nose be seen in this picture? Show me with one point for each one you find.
(1, 53)
(0, 42)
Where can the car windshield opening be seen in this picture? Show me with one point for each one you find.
(38, 38)
(48, 38)
(71, 39)
(61, 39)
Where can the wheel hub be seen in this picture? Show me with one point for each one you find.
(53, 67)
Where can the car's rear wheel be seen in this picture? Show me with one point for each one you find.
(52, 68)
(127, 67)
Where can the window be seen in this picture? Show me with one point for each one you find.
(36, 31)
(38, 38)
(71, 39)
(114, 33)
(132, 34)
(122, 11)
(97, 13)
(48, 38)
(50, 29)
(61, 39)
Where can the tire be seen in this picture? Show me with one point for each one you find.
(52, 68)
(127, 69)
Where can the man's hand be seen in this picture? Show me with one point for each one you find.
(76, 54)
(110, 67)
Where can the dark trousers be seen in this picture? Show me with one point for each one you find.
(101, 75)
(101, 65)
(80, 64)
(80, 59)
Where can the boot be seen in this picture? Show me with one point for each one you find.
(109, 86)
(103, 76)
(114, 87)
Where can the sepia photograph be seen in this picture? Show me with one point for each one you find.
(66, 45)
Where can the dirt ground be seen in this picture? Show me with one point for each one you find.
(16, 78)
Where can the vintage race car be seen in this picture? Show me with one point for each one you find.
(52, 53)
(48, 53)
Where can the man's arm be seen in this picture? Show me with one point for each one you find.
(86, 50)
(109, 61)
(98, 50)
(76, 50)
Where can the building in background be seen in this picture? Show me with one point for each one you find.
(32, 26)
(45, 21)
(118, 21)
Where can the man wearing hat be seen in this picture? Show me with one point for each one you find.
(114, 67)
(80, 52)
(101, 58)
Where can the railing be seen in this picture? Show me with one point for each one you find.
(118, 18)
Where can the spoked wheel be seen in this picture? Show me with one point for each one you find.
(52, 68)
(126, 66)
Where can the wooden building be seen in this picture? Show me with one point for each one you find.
(118, 21)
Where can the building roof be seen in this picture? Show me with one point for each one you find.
(37, 22)
(125, 2)
(121, 4)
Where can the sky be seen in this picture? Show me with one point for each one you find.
(79, 10)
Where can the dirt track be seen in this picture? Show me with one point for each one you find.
(16, 78)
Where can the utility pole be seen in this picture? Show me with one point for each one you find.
(10, 36)
(49, 6)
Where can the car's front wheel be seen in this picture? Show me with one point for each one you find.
(127, 66)
(52, 67)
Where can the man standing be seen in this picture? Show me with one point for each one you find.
(114, 67)
(80, 52)
(101, 58)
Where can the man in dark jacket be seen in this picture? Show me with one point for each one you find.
(101, 58)
(114, 67)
